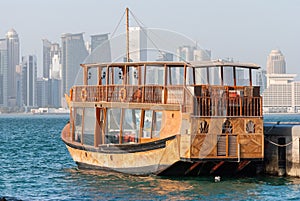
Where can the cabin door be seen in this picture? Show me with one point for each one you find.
(99, 127)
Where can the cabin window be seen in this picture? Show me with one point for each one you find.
(112, 125)
(242, 77)
(227, 127)
(155, 75)
(156, 124)
(117, 76)
(133, 75)
(175, 75)
(200, 76)
(214, 76)
(103, 76)
(250, 127)
(131, 125)
(147, 124)
(89, 126)
(190, 77)
(78, 124)
(92, 76)
(228, 76)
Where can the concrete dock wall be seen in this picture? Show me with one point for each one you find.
(282, 150)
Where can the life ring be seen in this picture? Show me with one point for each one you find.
(122, 94)
(83, 94)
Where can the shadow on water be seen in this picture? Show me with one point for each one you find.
(98, 185)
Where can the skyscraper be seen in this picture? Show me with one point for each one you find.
(51, 53)
(276, 63)
(97, 40)
(261, 79)
(138, 43)
(46, 57)
(3, 73)
(29, 77)
(186, 53)
(73, 54)
(100, 48)
(13, 56)
(202, 55)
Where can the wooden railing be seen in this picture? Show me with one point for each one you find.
(129, 93)
(228, 106)
(179, 95)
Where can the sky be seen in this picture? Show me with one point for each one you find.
(245, 30)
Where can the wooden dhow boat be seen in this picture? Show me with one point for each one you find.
(157, 123)
(166, 118)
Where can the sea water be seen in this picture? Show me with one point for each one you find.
(35, 165)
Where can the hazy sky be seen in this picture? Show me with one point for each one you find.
(245, 30)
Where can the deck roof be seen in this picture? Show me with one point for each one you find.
(195, 64)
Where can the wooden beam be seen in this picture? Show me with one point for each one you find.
(234, 76)
(222, 75)
(141, 125)
(217, 166)
(242, 165)
(192, 168)
(250, 77)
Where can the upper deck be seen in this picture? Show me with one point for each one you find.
(212, 88)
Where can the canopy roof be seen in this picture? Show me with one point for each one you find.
(195, 64)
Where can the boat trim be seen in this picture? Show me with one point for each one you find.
(122, 148)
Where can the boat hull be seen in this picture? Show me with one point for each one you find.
(136, 159)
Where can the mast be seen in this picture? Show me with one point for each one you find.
(127, 35)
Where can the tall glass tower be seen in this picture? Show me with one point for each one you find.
(74, 53)
(29, 78)
(276, 63)
(3, 73)
(13, 47)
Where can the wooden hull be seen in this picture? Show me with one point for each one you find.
(137, 159)
(161, 157)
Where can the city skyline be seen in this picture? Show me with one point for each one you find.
(228, 28)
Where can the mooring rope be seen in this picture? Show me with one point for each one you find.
(281, 145)
(274, 143)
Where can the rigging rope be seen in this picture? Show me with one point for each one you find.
(113, 33)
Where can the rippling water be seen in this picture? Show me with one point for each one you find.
(35, 165)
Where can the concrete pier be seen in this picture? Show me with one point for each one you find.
(282, 150)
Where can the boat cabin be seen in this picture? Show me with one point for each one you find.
(212, 107)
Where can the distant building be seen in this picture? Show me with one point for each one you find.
(202, 55)
(51, 53)
(46, 57)
(74, 53)
(138, 44)
(186, 53)
(191, 53)
(97, 40)
(261, 79)
(282, 94)
(276, 63)
(29, 77)
(3, 73)
(19, 85)
(48, 92)
(13, 55)
(100, 48)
